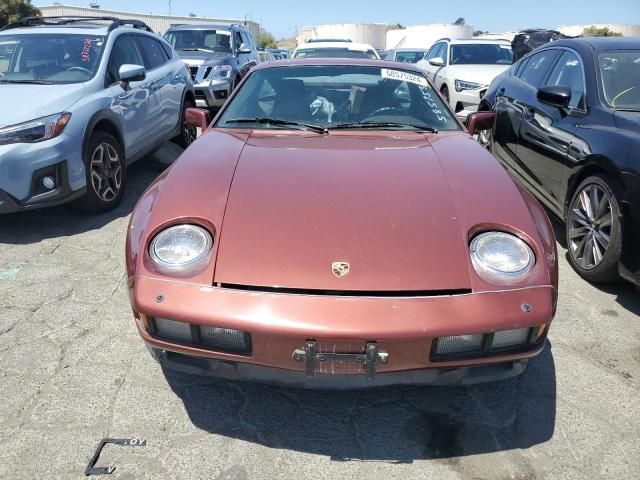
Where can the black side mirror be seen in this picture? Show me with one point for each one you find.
(556, 96)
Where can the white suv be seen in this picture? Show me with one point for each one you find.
(463, 69)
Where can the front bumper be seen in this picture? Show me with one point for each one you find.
(212, 93)
(290, 378)
(279, 324)
(466, 102)
(37, 197)
(22, 166)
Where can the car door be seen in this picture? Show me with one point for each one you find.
(130, 101)
(435, 51)
(245, 60)
(163, 106)
(547, 132)
(508, 108)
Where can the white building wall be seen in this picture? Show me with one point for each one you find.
(373, 34)
(625, 30)
(158, 23)
(423, 36)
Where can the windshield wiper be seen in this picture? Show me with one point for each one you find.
(277, 121)
(30, 82)
(373, 125)
(196, 50)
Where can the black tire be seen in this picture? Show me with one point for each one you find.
(445, 93)
(593, 230)
(187, 134)
(106, 172)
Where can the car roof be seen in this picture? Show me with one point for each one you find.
(409, 50)
(93, 28)
(356, 62)
(343, 45)
(207, 26)
(599, 43)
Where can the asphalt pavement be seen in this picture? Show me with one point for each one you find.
(73, 371)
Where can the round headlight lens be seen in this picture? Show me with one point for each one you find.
(181, 249)
(501, 257)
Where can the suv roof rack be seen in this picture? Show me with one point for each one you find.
(70, 20)
(443, 39)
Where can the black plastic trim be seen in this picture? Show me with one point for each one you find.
(347, 293)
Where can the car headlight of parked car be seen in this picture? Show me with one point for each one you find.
(33, 131)
(462, 85)
(182, 249)
(500, 257)
(221, 71)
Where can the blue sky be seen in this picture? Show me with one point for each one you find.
(281, 17)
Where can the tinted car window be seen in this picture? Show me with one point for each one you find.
(568, 72)
(154, 55)
(200, 40)
(334, 53)
(481, 54)
(620, 78)
(537, 67)
(125, 51)
(409, 57)
(432, 51)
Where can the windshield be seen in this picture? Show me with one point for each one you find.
(204, 40)
(620, 78)
(334, 53)
(409, 57)
(337, 95)
(481, 54)
(50, 58)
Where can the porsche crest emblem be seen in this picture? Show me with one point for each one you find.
(340, 269)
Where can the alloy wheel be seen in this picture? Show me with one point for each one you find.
(590, 225)
(190, 133)
(106, 172)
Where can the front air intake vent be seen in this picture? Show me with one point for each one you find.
(347, 293)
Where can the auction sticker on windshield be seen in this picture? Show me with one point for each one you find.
(404, 76)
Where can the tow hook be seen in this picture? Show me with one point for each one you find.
(371, 357)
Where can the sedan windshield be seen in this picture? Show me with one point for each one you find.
(481, 54)
(620, 78)
(200, 40)
(49, 59)
(334, 53)
(322, 98)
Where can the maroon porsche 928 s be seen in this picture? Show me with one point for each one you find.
(336, 227)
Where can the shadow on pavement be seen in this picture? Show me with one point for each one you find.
(397, 425)
(36, 225)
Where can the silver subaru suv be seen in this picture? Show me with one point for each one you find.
(82, 98)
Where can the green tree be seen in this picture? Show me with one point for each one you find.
(267, 40)
(460, 21)
(600, 32)
(13, 10)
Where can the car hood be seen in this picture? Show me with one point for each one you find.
(35, 101)
(381, 204)
(203, 58)
(399, 207)
(482, 74)
(628, 120)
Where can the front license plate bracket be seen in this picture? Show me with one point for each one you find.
(369, 358)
